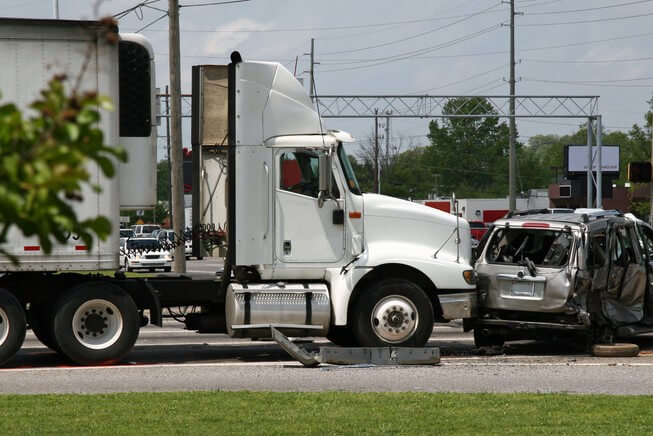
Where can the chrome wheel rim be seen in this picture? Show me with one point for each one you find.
(4, 326)
(394, 319)
(97, 324)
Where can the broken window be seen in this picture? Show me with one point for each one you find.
(548, 248)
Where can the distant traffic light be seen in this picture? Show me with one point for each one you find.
(639, 172)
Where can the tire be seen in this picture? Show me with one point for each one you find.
(342, 336)
(167, 269)
(615, 350)
(95, 323)
(407, 311)
(12, 326)
(487, 340)
(39, 317)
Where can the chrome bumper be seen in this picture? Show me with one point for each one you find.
(462, 305)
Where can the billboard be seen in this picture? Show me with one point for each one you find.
(576, 160)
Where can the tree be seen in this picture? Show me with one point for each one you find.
(469, 155)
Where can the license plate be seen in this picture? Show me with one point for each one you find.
(522, 289)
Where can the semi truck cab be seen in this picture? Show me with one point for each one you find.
(312, 254)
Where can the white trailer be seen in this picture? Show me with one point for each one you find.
(310, 254)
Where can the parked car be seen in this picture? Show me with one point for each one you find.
(144, 253)
(169, 235)
(478, 229)
(126, 233)
(144, 230)
(548, 274)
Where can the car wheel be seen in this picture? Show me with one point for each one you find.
(12, 326)
(393, 312)
(95, 323)
(39, 317)
(167, 269)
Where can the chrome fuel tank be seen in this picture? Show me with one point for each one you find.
(296, 309)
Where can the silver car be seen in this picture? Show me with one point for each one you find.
(547, 274)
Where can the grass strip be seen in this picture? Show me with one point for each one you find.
(325, 413)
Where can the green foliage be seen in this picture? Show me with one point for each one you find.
(407, 413)
(44, 161)
(469, 156)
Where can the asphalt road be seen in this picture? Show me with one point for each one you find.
(172, 359)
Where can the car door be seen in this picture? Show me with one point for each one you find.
(306, 232)
(645, 234)
(626, 281)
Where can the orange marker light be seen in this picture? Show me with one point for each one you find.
(355, 215)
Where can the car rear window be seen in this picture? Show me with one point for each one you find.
(150, 229)
(143, 244)
(517, 246)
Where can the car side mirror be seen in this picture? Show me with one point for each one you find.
(324, 185)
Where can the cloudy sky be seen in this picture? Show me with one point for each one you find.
(564, 47)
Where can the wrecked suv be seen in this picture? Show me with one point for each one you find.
(541, 275)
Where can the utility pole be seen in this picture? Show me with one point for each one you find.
(175, 127)
(312, 84)
(512, 159)
(172, 223)
(650, 184)
(377, 167)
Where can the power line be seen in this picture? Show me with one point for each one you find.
(409, 55)
(461, 80)
(413, 36)
(606, 83)
(213, 3)
(586, 21)
(602, 61)
(133, 8)
(589, 9)
(153, 22)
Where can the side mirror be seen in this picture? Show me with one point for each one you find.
(324, 186)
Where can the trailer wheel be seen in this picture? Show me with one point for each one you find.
(39, 318)
(12, 326)
(393, 312)
(96, 323)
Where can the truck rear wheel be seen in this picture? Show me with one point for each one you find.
(393, 312)
(96, 323)
(39, 317)
(12, 326)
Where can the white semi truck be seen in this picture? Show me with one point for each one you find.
(307, 252)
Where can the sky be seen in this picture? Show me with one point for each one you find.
(563, 47)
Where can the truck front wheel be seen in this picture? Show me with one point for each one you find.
(393, 312)
(96, 323)
(12, 326)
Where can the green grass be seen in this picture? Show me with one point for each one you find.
(325, 413)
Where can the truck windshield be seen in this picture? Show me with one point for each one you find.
(352, 183)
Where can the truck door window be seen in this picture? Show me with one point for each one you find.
(299, 173)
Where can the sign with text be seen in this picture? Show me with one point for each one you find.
(576, 160)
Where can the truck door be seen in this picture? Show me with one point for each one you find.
(305, 232)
